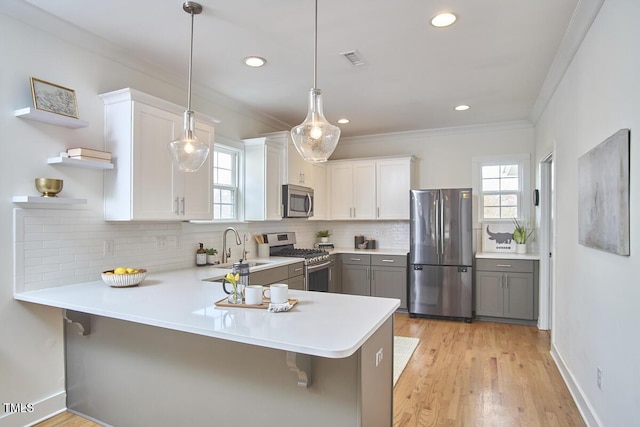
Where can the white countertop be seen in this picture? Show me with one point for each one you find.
(507, 255)
(320, 324)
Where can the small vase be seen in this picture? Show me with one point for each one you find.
(521, 248)
(212, 259)
(235, 297)
(324, 239)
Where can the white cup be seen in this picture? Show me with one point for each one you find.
(253, 294)
(278, 293)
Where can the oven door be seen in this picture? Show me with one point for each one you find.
(317, 277)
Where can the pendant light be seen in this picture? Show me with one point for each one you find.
(188, 153)
(315, 138)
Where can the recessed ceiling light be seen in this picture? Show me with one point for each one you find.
(254, 61)
(443, 19)
(462, 107)
(343, 121)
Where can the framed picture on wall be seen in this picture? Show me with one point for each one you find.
(53, 98)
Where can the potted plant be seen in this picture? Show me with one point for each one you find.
(520, 235)
(323, 235)
(211, 255)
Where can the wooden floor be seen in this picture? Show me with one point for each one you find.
(468, 375)
(480, 374)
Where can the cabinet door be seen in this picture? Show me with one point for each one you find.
(355, 279)
(296, 166)
(518, 298)
(197, 199)
(157, 188)
(335, 283)
(390, 282)
(274, 184)
(489, 294)
(319, 184)
(364, 190)
(296, 282)
(341, 191)
(393, 179)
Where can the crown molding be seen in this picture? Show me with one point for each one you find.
(458, 130)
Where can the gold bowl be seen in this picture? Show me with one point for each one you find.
(49, 187)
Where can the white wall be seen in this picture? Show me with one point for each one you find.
(597, 294)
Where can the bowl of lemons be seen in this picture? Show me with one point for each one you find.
(124, 277)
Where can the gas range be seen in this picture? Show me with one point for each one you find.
(282, 244)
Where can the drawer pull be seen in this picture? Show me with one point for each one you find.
(388, 260)
(504, 265)
(298, 269)
(355, 259)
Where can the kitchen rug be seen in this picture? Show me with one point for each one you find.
(403, 348)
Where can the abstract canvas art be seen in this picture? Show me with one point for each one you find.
(603, 195)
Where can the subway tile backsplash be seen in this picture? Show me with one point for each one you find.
(57, 247)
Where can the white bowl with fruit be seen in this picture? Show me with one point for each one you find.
(124, 277)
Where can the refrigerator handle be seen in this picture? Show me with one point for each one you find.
(441, 224)
(437, 227)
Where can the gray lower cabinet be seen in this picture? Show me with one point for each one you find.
(291, 274)
(296, 276)
(335, 280)
(507, 288)
(375, 275)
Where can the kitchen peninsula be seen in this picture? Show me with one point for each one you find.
(164, 354)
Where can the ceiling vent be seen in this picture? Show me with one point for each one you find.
(353, 56)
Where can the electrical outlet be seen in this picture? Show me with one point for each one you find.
(378, 357)
(107, 248)
(161, 242)
(599, 378)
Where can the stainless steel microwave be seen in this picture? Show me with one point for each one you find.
(297, 201)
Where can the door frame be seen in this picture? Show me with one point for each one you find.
(547, 234)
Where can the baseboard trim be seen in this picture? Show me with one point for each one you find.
(586, 410)
(42, 410)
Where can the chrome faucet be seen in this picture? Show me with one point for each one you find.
(226, 253)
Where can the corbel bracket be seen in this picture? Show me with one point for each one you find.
(301, 365)
(83, 320)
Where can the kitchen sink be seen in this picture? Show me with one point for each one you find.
(226, 268)
(250, 264)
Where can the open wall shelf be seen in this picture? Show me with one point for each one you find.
(80, 163)
(51, 118)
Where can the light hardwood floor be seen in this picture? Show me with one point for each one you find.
(468, 375)
(480, 374)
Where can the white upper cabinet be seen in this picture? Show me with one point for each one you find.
(264, 170)
(370, 188)
(319, 184)
(299, 171)
(145, 185)
(393, 182)
(352, 189)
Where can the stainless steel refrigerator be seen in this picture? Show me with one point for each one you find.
(440, 254)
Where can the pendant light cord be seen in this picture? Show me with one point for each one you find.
(315, 49)
(190, 64)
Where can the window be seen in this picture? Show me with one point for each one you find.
(225, 183)
(500, 191)
(501, 184)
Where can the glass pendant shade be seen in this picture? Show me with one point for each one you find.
(188, 153)
(315, 138)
